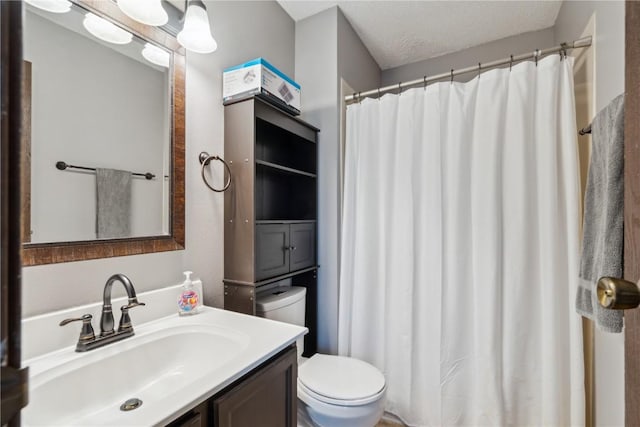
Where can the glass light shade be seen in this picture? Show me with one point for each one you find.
(53, 6)
(155, 55)
(148, 12)
(196, 33)
(105, 30)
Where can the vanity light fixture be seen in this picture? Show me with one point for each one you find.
(148, 12)
(196, 32)
(53, 6)
(155, 55)
(105, 30)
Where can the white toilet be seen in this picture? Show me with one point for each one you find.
(333, 391)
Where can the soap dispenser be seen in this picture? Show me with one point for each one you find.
(189, 298)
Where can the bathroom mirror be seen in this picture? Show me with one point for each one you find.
(102, 94)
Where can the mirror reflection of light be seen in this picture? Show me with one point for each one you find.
(53, 6)
(196, 33)
(155, 55)
(105, 30)
(148, 12)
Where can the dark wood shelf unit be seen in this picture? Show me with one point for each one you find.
(270, 209)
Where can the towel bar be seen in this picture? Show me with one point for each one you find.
(62, 166)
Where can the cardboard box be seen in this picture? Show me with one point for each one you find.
(258, 77)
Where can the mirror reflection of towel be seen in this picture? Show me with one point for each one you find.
(113, 203)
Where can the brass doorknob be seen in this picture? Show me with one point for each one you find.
(617, 294)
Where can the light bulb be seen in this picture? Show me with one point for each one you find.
(196, 33)
(148, 12)
(105, 30)
(155, 55)
(53, 6)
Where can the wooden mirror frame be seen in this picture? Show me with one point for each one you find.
(57, 252)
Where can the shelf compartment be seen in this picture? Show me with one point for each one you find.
(285, 169)
(281, 196)
(278, 147)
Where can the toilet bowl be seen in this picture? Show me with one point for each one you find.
(333, 391)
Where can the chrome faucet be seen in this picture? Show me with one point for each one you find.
(88, 340)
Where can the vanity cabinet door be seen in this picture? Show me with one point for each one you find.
(267, 398)
(197, 417)
(272, 250)
(303, 245)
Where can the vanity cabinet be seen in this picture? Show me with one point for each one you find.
(265, 397)
(270, 209)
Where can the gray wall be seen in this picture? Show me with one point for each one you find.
(328, 49)
(609, 82)
(244, 30)
(465, 58)
(355, 64)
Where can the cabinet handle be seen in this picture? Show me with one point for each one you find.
(293, 248)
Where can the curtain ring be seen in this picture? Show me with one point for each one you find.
(479, 68)
(399, 88)
(452, 76)
(563, 51)
(359, 97)
(425, 82)
(205, 159)
(378, 94)
(536, 54)
(511, 63)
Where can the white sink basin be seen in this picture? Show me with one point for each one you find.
(170, 365)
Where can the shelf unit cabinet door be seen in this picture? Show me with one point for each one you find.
(272, 250)
(267, 398)
(303, 246)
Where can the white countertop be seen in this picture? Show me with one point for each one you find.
(258, 340)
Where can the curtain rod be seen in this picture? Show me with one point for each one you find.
(537, 54)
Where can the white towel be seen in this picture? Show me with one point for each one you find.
(113, 203)
(602, 239)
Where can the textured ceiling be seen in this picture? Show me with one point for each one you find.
(402, 32)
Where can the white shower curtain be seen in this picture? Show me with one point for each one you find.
(460, 248)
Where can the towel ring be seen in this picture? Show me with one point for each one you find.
(205, 159)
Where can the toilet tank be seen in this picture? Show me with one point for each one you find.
(285, 304)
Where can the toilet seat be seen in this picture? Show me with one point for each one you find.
(340, 380)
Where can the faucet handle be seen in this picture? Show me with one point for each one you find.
(131, 305)
(86, 333)
(125, 320)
